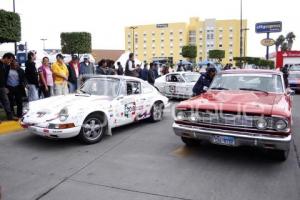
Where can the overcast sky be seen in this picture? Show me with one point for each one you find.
(106, 20)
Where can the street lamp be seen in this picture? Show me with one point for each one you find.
(44, 39)
(133, 28)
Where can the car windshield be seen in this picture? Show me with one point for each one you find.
(251, 82)
(295, 68)
(101, 86)
(294, 75)
(191, 77)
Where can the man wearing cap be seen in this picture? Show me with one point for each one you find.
(60, 76)
(204, 81)
(86, 67)
(73, 69)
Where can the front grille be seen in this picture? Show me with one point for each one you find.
(226, 119)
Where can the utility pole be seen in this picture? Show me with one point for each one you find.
(133, 39)
(44, 39)
(241, 31)
(245, 33)
(14, 9)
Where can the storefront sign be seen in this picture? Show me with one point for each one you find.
(268, 27)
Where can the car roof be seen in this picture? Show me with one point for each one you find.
(183, 73)
(116, 77)
(251, 71)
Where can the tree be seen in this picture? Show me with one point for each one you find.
(279, 41)
(284, 46)
(189, 51)
(290, 37)
(216, 54)
(10, 27)
(76, 42)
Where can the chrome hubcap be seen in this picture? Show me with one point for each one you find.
(157, 112)
(92, 129)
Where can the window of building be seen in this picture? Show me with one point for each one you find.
(171, 54)
(162, 33)
(162, 54)
(153, 34)
(153, 41)
(153, 47)
(180, 32)
(220, 45)
(145, 48)
(145, 34)
(136, 40)
(145, 41)
(171, 32)
(153, 54)
(171, 40)
(162, 47)
(230, 45)
(230, 38)
(162, 40)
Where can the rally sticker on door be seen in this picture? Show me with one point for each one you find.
(129, 109)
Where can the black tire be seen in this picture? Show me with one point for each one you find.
(281, 155)
(189, 141)
(93, 128)
(157, 112)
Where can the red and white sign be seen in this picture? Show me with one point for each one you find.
(288, 57)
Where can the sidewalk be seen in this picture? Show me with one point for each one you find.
(9, 126)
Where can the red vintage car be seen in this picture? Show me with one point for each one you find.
(240, 108)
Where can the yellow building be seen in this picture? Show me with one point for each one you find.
(165, 41)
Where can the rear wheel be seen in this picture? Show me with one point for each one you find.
(157, 111)
(93, 129)
(189, 141)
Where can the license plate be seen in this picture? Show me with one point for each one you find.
(223, 140)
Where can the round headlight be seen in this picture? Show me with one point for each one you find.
(180, 115)
(193, 117)
(280, 125)
(261, 123)
(63, 114)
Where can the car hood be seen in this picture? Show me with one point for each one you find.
(72, 100)
(234, 101)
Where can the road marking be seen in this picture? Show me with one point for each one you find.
(9, 127)
(182, 152)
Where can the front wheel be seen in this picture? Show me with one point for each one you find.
(93, 129)
(157, 112)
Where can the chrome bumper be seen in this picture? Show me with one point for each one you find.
(241, 138)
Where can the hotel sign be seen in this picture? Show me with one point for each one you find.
(268, 27)
(162, 25)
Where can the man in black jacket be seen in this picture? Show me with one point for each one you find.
(32, 77)
(151, 74)
(15, 83)
(6, 60)
(73, 69)
(204, 81)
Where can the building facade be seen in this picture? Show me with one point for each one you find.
(165, 41)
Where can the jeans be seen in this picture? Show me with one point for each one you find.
(72, 87)
(5, 103)
(61, 89)
(48, 93)
(15, 95)
(33, 93)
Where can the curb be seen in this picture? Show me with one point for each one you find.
(9, 126)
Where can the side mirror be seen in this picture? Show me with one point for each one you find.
(290, 92)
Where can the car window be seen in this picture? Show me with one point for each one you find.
(133, 87)
(174, 78)
(146, 89)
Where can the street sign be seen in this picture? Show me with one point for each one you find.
(267, 42)
(268, 27)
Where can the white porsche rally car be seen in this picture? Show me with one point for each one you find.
(177, 84)
(102, 103)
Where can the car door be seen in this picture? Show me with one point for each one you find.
(173, 82)
(181, 87)
(124, 106)
(146, 101)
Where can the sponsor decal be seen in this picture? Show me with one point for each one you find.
(129, 109)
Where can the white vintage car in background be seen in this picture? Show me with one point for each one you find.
(102, 103)
(177, 84)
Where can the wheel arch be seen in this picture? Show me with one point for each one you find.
(102, 113)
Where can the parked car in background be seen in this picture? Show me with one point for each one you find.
(102, 103)
(241, 108)
(177, 84)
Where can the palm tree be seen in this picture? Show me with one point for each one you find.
(284, 46)
(279, 41)
(290, 37)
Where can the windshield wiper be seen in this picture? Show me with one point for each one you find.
(252, 89)
(219, 88)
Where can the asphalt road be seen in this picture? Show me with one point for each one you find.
(144, 161)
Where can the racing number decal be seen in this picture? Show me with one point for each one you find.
(129, 109)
